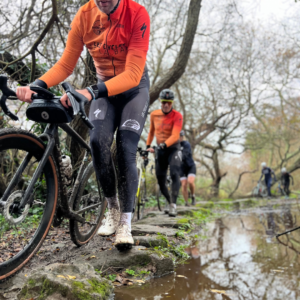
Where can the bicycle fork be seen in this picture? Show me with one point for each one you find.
(36, 175)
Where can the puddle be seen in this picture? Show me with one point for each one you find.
(241, 259)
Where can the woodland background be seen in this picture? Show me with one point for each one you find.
(233, 64)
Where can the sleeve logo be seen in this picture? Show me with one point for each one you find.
(143, 28)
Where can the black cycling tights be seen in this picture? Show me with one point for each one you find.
(127, 142)
(164, 158)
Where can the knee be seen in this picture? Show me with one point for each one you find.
(191, 181)
(174, 171)
(184, 184)
(127, 142)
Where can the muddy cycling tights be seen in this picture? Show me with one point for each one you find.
(126, 113)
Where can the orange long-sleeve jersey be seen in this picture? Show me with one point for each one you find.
(118, 44)
(166, 127)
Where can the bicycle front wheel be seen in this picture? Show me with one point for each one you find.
(22, 232)
(89, 204)
(159, 198)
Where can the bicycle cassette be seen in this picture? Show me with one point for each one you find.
(13, 200)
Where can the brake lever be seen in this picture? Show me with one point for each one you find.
(78, 100)
(75, 104)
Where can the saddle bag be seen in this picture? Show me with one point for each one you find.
(49, 111)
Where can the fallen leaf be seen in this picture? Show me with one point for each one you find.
(137, 242)
(109, 249)
(119, 278)
(218, 291)
(71, 277)
(61, 276)
(147, 234)
(140, 281)
(279, 271)
(108, 239)
(93, 256)
(129, 283)
(181, 276)
(25, 275)
(117, 283)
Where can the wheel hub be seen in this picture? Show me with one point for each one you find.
(11, 210)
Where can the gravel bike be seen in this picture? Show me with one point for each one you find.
(280, 191)
(33, 187)
(141, 194)
(260, 190)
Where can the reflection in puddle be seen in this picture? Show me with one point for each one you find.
(240, 260)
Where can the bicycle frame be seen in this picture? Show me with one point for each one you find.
(142, 176)
(50, 136)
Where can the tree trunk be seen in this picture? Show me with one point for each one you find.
(18, 71)
(218, 175)
(181, 61)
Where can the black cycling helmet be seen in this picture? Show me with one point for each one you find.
(182, 133)
(166, 95)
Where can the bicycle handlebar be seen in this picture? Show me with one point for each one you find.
(78, 100)
(6, 92)
(142, 152)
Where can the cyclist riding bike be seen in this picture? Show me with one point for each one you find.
(267, 172)
(285, 181)
(165, 124)
(188, 170)
(116, 33)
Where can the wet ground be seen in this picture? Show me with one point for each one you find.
(239, 259)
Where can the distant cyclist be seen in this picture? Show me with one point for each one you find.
(285, 181)
(165, 124)
(188, 170)
(267, 172)
(116, 33)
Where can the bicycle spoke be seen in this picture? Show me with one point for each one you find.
(14, 237)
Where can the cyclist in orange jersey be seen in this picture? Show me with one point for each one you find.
(166, 124)
(116, 33)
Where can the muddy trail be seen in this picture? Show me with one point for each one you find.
(238, 258)
(223, 250)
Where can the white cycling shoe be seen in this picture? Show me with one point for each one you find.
(110, 223)
(124, 238)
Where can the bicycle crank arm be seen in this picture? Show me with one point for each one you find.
(88, 207)
(74, 216)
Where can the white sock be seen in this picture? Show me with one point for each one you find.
(113, 202)
(173, 205)
(126, 219)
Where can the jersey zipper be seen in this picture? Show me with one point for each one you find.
(112, 61)
(108, 33)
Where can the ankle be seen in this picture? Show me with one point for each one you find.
(112, 202)
(125, 218)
